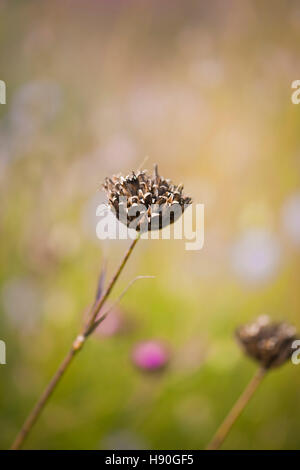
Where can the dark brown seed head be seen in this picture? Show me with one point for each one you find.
(151, 203)
(268, 343)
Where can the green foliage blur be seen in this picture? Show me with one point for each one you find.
(204, 90)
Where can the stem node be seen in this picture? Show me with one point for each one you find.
(78, 343)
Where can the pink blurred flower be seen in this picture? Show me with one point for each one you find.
(150, 355)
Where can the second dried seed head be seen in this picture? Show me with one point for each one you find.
(268, 343)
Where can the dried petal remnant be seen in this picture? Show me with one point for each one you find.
(266, 342)
(145, 202)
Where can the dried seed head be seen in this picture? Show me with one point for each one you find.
(145, 202)
(266, 342)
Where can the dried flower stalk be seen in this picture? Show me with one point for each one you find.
(236, 410)
(163, 195)
(76, 347)
(270, 345)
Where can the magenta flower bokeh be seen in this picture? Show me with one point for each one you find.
(150, 355)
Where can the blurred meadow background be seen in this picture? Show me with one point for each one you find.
(204, 90)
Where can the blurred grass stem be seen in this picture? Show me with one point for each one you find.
(236, 410)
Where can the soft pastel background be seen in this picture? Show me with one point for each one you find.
(204, 89)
